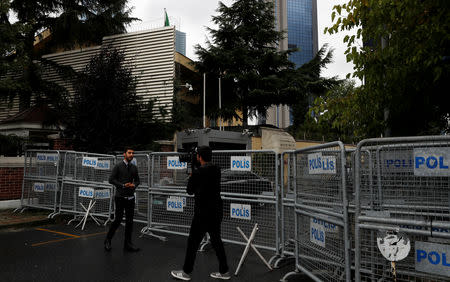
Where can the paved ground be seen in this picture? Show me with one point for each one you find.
(29, 217)
(42, 250)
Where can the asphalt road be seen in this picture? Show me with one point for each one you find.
(58, 252)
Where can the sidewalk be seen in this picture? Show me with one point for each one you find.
(29, 217)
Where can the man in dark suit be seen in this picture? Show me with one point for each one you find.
(125, 178)
(204, 183)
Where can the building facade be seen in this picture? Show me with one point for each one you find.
(150, 53)
(152, 57)
(299, 19)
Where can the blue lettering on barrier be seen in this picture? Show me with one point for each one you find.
(431, 162)
(52, 158)
(398, 163)
(433, 257)
(325, 224)
(39, 187)
(89, 162)
(174, 204)
(86, 193)
(318, 234)
(319, 163)
(175, 163)
(240, 164)
(433, 229)
(240, 211)
(104, 165)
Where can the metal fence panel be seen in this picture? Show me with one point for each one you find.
(170, 209)
(88, 167)
(142, 162)
(287, 208)
(76, 198)
(249, 188)
(40, 179)
(321, 212)
(248, 191)
(405, 197)
(85, 182)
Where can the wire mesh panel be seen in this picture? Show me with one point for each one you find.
(94, 168)
(77, 198)
(40, 193)
(248, 191)
(85, 182)
(250, 196)
(171, 212)
(402, 220)
(170, 208)
(287, 181)
(142, 162)
(40, 180)
(322, 237)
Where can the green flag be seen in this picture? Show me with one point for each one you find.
(166, 18)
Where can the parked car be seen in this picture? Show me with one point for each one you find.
(245, 182)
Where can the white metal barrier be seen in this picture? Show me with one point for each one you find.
(402, 219)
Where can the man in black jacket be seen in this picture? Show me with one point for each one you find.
(204, 183)
(125, 178)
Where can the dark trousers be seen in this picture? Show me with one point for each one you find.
(196, 234)
(121, 205)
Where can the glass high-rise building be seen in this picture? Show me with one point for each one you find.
(180, 42)
(302, 29)
(299, 19)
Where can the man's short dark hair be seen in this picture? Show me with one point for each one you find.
(205, 152)
(126, 148)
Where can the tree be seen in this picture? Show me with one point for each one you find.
(106, 113)
(255, 74)
(404, 63)
(10, 43)
(11, 145)
(71, 22)
(243, 51)
(332, 116)
(307, 80)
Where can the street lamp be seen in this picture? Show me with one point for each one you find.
(188, 86)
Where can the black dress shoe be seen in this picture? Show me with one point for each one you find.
(130, 248)
(107, 244)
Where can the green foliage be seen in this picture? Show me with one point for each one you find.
(107, 114)
(10, 145)
(243, 51)
(186, 115)
(404, 63)
(70, 22)
(255, 74)
(307, 82)
(336, 115)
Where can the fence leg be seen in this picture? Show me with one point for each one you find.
(85, 217)
(254, 248)
(205, 242)
(247, 247)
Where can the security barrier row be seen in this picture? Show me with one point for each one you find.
(320, 212)
(249, 193)
(402, 215)
(377, 212)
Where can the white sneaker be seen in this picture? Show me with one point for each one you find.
(181, 275)
(218, 275)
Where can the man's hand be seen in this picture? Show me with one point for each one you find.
(129, 185)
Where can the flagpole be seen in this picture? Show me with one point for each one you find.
(204, 100)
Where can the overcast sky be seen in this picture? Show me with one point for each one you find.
(193, 16)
